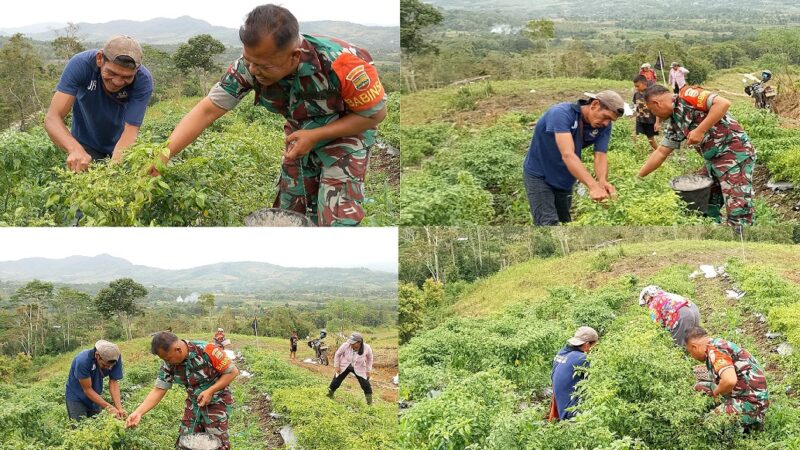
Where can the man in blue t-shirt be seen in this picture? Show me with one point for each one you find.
(553, 162)
(107, 91)
(85, 381)
(565, 377)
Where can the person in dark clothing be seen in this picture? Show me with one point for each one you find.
(564, 376)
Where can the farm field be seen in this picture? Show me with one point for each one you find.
(34, 415)
(464, 147)
(479, 375)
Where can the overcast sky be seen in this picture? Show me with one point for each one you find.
(181, 248)
(228, 14)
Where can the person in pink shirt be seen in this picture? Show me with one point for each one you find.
(677, 77)
(354, 356)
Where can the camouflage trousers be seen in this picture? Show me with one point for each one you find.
(751, 413)
(211, 419)
(733, 189)
(327, 184)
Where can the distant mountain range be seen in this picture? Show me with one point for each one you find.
(162, 31)
(244, 277)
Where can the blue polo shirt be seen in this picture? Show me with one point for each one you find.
(98, 116)
(85, 366)
(544, 160)
(564, 378)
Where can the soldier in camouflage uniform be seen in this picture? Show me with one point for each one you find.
(205, 372)
(737, 377)
(700, 118)
(332, 99)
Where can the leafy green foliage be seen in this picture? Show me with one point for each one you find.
(228, 173)
(300, 396)
(640, 384)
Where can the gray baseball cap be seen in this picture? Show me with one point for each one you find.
(108, 351)
(610, 99)
(583, 335)
(355, 337)
(125, 47)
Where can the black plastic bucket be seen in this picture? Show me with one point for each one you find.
(199, 441)
(695, 190)
(276, 217)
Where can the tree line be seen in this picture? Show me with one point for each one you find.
(39, 318)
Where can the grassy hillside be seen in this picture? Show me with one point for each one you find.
(482, 377)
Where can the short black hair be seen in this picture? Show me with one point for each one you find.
(162, 341)
(271, 21)
(122, 60)
(655, 90)
(695, 333)
(639, 79)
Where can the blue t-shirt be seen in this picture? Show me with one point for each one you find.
(85, 366)
(99, 117)
(544, 160)
(564, 378)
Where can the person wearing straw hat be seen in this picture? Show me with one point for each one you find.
(648, 73)
(85, 381)
(564, 375)
(107, 91)
(354, 356)
(332, 99)
(701, 119)
(205, 372)
(553, 162)
(672, 311)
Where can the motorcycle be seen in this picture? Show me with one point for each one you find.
(762, 94)
(320, 348)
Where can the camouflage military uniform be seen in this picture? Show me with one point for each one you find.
(202, 368)
(749, 398)
(730, 157)
(333, 79)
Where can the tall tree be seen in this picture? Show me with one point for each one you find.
(197, 55)
(72, 314)
(30, 301)
(119, 299)
(415, 18)
(68, 44)
(542, 30)
(20, 73)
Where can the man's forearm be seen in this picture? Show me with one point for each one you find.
(601, 166)
(193, 124)
(152, 399)
(224, 380)
(655, 160)
(113, 387)
(60, 134)
(351, 124)
(96, 398)
(715, 114)
(576, 168)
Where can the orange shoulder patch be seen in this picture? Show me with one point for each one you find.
(695, 96)
(361, 88)
(719, 360)
(219, 360)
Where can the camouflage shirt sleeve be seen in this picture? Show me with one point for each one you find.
(165, 377)
(361, 87)
(672, 137)
(233, 86)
